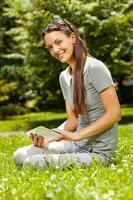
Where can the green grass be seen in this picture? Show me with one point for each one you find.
(113, 182)
(98, 182)
(127, 115)
(28, 121)
(48, 119)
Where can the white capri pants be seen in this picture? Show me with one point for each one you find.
(61, 154)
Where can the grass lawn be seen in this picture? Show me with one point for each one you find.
(94, 183)
(28, 121)
(48, 119)
(113, 182)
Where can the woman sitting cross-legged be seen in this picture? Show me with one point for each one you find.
(92, 106)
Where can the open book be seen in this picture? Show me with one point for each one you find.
(43, 131)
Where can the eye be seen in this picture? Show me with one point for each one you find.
(49, 48)
(58, 41)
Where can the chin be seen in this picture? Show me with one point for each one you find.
(63, 60)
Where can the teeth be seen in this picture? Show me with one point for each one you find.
(60, 55)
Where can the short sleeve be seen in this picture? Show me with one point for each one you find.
(100, 75)
(63, 86)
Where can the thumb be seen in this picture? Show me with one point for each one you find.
(59, 138)
(51, 139)
(57, 130)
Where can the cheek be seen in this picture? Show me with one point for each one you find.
(69, 47)
(52, 53)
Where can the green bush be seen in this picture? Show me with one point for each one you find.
(12, 109)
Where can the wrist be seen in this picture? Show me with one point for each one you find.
(79, 137)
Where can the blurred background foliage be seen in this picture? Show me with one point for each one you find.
(29, 75)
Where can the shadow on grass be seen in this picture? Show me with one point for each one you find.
(127, 119)
(49, 124)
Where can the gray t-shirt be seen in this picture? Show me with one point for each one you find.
(96, 78)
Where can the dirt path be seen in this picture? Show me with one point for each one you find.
(6, 133)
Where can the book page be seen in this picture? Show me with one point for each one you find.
(43, 131)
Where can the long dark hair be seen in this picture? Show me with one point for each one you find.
(80, 54)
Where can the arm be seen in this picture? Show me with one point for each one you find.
(72, 122)
(111, 116)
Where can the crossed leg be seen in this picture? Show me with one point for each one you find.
(60, 154)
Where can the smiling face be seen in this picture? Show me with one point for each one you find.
(60, 45)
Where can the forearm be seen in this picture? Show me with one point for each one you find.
(69, 125)
(103, 123)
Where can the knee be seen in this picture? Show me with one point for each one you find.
(36, 161)
(19, 156)
(84, 158)
(27, 162)
(56, 147)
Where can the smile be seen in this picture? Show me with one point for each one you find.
(60, 55)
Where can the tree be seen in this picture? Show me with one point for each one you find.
(105, 25)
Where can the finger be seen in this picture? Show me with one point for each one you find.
(43, 143)
(57, 130)
(51, 139)
(31, 137)
(59, 138)
(39, 141)
(35, 139)
(48, 140)
(62, 132)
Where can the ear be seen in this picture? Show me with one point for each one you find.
(73, 37)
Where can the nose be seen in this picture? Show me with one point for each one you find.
(55, 49)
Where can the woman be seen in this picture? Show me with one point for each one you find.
(91, 103)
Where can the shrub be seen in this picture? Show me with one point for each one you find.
(12, 109)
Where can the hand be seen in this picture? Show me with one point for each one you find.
(66, 135)
(40, 141)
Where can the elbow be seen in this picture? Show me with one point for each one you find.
(117, 116)
(73, 123)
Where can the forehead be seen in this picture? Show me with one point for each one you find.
(52, 36)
